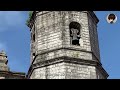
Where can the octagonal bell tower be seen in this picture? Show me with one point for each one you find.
(64, 45)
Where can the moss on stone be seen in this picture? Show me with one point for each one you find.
(28, 20)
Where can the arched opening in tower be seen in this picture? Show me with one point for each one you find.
(75, 33)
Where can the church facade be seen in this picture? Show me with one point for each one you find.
(64, 45)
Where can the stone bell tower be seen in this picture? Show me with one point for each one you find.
(64, 45)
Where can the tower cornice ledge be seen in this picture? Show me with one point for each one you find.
(66, 59)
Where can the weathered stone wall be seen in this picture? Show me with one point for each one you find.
(76, 71)
(63, 52)
(49, 31)
(93, 37)
(49, 55)
(52, 31)
(81, 18)
(55, 71)
(64, 71)
(100, 74)
(52, 40)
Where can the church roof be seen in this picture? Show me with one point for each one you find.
(5, 70)
(12, 75)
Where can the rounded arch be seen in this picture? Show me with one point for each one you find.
(75, 25)
(74, 33)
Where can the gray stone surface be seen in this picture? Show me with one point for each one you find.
(56, 71)
(53, 41)
(65, 71)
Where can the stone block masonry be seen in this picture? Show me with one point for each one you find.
(53, 56)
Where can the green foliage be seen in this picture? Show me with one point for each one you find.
(27, 22)
(30, 15)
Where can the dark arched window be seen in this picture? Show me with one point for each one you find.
(75, 33)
